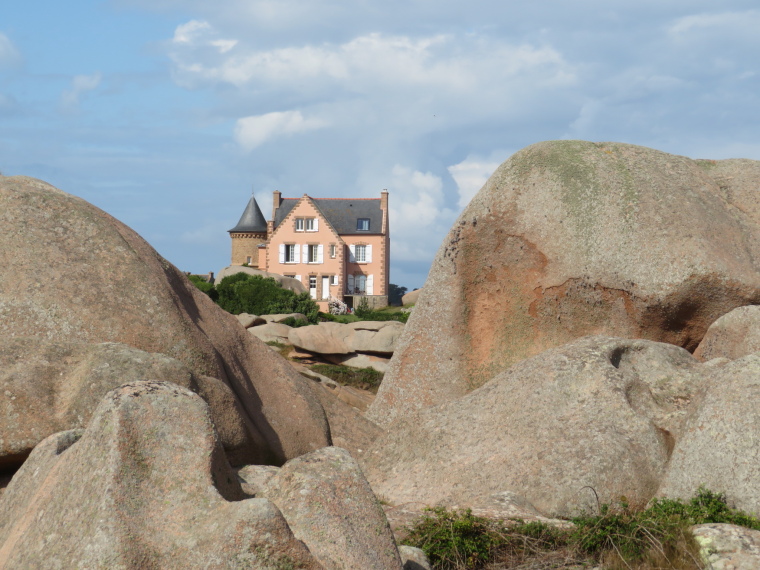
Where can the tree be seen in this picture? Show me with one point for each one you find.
(257, 295)
(395, 293)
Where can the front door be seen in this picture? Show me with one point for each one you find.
(326, 287)
(313, 286)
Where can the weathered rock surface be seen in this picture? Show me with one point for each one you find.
(324, 338)
(732, 336)
(331, 507)
(600, 412)
(285, 282)
(103, 283)
(247, 320)
(719, 444)
(411, 297)
(571, 238)
(728, 547)
(358, 360)
(414, 558)
(53, 386)
(375, 337)
(146, 485)
(271, 332)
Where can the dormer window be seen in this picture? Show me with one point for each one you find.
(307, 224)
(362, 225)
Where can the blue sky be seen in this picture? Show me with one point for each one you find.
(165, 113)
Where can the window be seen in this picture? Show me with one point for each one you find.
(362, 224)
(360, 253)
(312, 254)
(311, 224)
(334, 280)
(248, 260)
(290, 253)
(360, 284)
(299, 224)
(332, 250)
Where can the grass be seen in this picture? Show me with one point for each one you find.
(364, 378)
(623, 537)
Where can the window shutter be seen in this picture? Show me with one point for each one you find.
(369, 254)
(282, 253)
(316, 224)
(297, 277)
(352, 253)
(320, 253)
(370, 287)
(305, 253)
(297, 250)
(350, 282)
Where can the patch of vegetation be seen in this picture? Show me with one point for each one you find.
(257, 295)
(283, 349)
(364, 313)
(205, 286)
(364, 378)
(616, 538)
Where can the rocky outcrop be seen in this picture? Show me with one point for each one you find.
(571, 238)
(51, 386)
(719, 446)
(145, 485)
(411, 297)
(600, 413)
(330, 506)
(80, 275)
(359, 344)
(271, 332)
(728, 547)
(732, 336)
(285, 282)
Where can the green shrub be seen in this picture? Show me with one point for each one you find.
(364, 378)
(617, 537)
(244, 293)
(205, 286)
(454, 539)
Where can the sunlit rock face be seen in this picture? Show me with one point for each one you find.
(573, 238)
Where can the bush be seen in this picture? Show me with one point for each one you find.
(244, 293)
(617, 537)
(205, 286)
(364, 378)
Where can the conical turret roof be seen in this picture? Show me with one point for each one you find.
(252, 219)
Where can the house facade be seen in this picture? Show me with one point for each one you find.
(337, 247)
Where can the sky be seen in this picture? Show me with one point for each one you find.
(167, 114)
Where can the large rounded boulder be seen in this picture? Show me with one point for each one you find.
(75, 273)
(595, 419)
(572, 238)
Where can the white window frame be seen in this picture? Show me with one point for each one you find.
(299, 224)
(359, 224)
(290, 253)
(311, 224)
(334, 280)
(333, 251)
(360, 253)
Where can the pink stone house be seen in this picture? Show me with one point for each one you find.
(337, 247)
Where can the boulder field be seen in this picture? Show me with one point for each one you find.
(574, 238)
(83, 276)
(547, 367)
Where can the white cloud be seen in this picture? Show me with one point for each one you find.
(418, 213)
(80, 85)
(251, 132)
(725, 22)
(470, 175)
(9, 55)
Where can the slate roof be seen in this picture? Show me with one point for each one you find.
(252, 219)
(342, 213)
